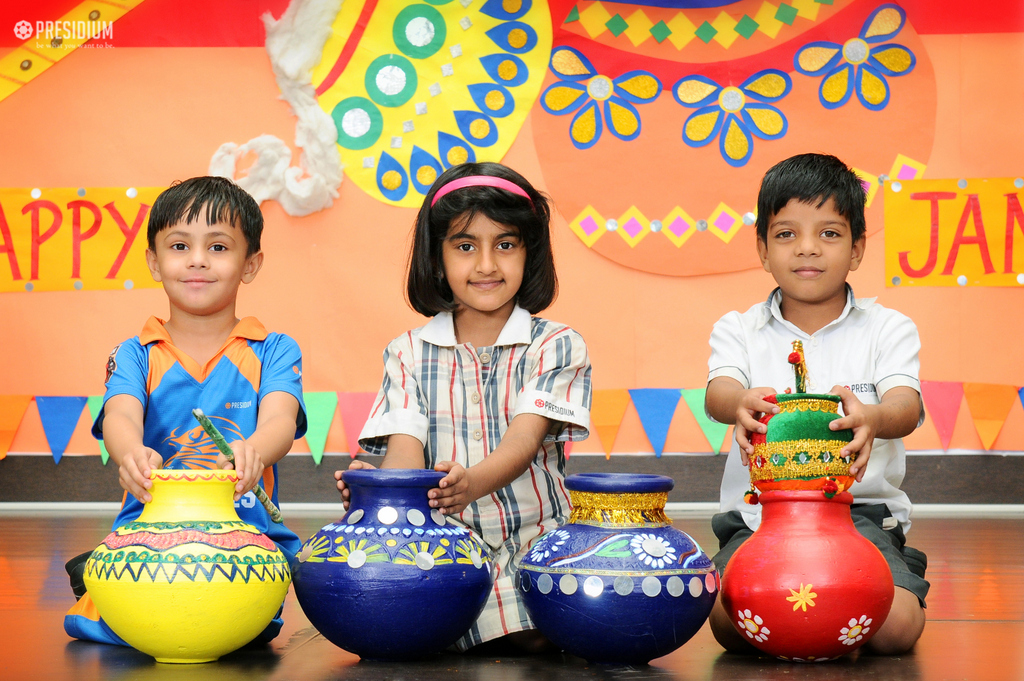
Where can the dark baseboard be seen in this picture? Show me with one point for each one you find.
(931, 479)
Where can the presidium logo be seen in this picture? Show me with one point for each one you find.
(66, 34)
(554, 408)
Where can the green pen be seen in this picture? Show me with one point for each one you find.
(225, 449)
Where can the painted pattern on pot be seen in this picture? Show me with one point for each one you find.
(618, 584)
(188, 581)
(393, 579)
(807, 586)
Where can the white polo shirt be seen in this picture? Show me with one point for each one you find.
(870, 349)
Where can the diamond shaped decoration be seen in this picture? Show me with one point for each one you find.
(678, 226)
(786, 14)
(639, 28)
(588, 226)
(706, 32)
(593, 19)
(616, 25)
(746, 27)
(725, 25)
(767, 23)
(724, 222)
(574, 15)
(682, 30)
(660, 31)
(633, 226)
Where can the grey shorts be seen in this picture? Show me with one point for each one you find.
(906, 563)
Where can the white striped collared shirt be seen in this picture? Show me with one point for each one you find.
(459, 400)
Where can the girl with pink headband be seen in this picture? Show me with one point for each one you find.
(485, 391)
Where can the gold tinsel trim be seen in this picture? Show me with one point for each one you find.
(809, 404)
(618, 509)
(815, 468)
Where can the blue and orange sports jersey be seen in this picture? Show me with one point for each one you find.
(229, 388)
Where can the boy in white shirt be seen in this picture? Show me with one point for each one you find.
(810, 236)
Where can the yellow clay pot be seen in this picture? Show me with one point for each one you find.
(188, 581)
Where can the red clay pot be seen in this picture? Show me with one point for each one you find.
(807, 586)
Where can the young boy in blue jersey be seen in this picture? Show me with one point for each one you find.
(204, 242)
(810, 236)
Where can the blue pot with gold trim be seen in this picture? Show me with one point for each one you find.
(393, 579)
(618, 584)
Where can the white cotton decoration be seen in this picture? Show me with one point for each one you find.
(295, 45)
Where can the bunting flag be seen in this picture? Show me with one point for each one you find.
(95, 403)
(319, 414)
(60, 417)
(990, 405)
(355, 409)
(606, 411)
(942, 400)
(714, 432)
(12, 408)
(655, 407)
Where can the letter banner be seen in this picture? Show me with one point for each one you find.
(70, 239)
(967, 232)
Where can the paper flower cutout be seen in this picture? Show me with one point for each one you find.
(733, 114)
(599, 101)
(860, 63)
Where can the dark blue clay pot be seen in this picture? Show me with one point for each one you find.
(393, 579)
(618, 584)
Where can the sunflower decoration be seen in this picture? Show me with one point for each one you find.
(733, 114)
(860, 64)
(598, 100)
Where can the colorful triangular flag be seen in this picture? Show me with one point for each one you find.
(990, 405)
(606, 412)
(355, 410)
(942, 400)
(60, 417)
(95, 403)
(12, 409)
(655, 407)
(319, 414)
(714, 432)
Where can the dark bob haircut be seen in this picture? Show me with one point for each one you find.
(811, 179)
(427, 286)
(220, 198)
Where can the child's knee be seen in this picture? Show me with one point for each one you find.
(902, 628)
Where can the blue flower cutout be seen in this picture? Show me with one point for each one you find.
(860, 64)
(734, 114)
(598, 102)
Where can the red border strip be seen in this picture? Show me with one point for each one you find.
(350, 47)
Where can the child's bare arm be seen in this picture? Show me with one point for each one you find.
(272, 439)
(122, 435)
(512, 456)
(894, 417)
(727, 401)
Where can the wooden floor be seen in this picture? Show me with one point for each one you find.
(975, 628)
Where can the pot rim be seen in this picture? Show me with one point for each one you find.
(814, 495)
(194, 474)
(393, 477)
(616, 483)
(789, 397)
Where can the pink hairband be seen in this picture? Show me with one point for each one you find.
(480, 181)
